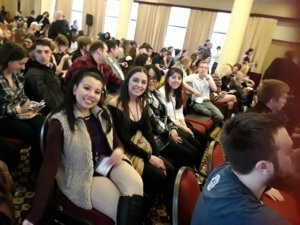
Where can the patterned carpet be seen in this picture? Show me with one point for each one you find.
(25, 190)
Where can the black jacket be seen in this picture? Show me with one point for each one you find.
(60, 27)
(42, 83)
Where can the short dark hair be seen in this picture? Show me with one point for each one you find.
(248, 138)
(177, 51)
(43, 42)
(141, 59)
(271, 88)
(96, 45)
(111, 44)
(163, 50)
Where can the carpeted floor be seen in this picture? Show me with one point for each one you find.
(25, 190)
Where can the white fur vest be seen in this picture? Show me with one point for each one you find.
(75, 172)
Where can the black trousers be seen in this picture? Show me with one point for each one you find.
(155, 181)
(189, 152)
(28, 131)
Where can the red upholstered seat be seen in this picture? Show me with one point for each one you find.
(18, 143)
(199, 122)
(186, 193)
(94, 216)
(288, 208)
(215, 156)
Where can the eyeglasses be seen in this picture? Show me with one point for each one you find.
(153, 78)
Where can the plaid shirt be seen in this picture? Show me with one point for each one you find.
(87, 61)
(10, 98)
(161, 123)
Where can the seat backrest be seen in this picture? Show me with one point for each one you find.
(215, 156)
(43, 132)
(186, 193)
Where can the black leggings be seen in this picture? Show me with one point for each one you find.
(28, 131)
(155, 181)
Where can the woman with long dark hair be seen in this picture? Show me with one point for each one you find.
(130, 112)
(18, 115)
(171, 144)
(171, 96)
(80, 138)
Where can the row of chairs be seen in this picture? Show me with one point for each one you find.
(187, 191)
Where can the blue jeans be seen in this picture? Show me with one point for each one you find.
(207, 108)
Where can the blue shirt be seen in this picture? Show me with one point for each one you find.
(226, 200)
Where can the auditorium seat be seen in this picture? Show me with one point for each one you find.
(68, 208)
(186, 193)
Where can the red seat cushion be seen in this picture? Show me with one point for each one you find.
(188, 195)
(217, 156)
(18, 143)
(193, 118)
(288, 208)
(200, 127)
(94, 216)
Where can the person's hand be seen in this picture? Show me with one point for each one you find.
(124, 64)
(275, 195)
(66, 57)
(197, 93)
(26, 222)
(116, 156)
(157, 162)
(28, 106)
(188, 130)
(176, 138)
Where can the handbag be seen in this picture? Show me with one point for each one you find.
(137, 162)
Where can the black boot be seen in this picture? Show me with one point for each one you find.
(130, 210)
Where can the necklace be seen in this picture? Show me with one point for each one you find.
(135, 118)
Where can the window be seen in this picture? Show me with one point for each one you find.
(111, 17)
(77, 13)
(179, 18)
(132, 21)
(220, 29)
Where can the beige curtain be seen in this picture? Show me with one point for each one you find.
(200, 28)
(258, 36)
(37, 7)
(66, 7)
(26, 7)
(97, 9)
(11, 6)
(152, 24)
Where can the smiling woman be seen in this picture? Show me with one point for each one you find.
(81, 152)
(131, 110)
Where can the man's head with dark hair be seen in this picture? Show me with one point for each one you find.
(257, 144)
(218, 47)
(163, 52)
(273, 94)
(43, 51)
(111, 44)
(98, 50)
(177, 51)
